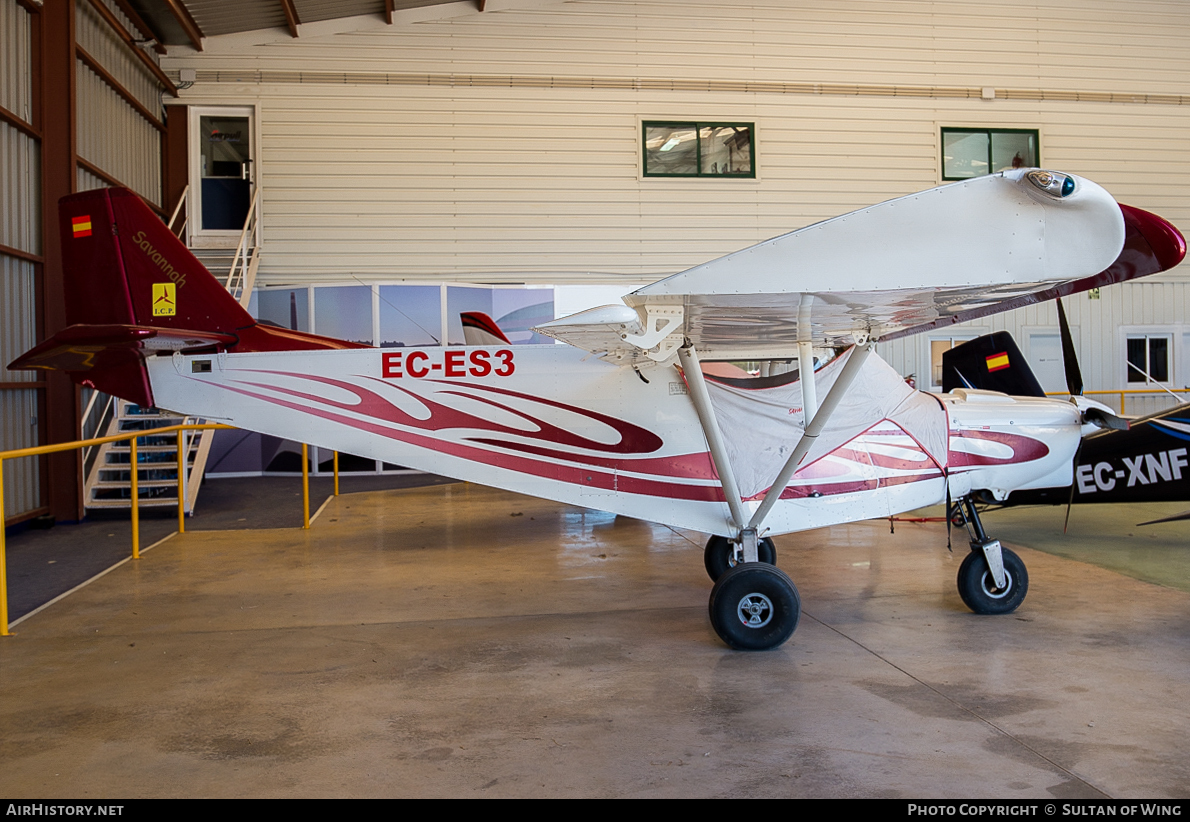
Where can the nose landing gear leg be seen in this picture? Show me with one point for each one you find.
(992, 579)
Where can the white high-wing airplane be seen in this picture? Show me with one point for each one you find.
(623, 418)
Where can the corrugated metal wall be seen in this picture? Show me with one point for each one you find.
(97, 39)
(15, 77)
(113, 135)
(505, 146)
(86, 181)
(20, 228)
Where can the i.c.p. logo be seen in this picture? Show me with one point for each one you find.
(165, 300)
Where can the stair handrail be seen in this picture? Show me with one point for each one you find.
(249, 279)
(96, 394)
(241, 246)
(200, 443)
(178, 208)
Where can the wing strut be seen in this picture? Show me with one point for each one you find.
(813, 429)
(710, 428)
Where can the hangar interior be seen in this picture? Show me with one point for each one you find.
(368, 170)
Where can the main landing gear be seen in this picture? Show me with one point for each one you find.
(992, 579)
(721, 555)
(754, 606)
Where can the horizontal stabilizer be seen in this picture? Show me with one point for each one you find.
(108, 357)
(133, 289)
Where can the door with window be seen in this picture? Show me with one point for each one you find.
(1149, 368)
(222, 157)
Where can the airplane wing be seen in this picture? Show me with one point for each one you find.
(947, 255)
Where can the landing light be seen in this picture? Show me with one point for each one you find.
(1052, 183)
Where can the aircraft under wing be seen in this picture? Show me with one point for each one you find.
(950, 254)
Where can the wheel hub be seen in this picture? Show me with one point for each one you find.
(755, 610)
(989, 585)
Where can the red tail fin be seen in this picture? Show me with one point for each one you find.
(480, 329)
(130, 281)
(126, 267)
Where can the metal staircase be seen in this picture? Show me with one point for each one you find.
(109, 473)
(107, 468)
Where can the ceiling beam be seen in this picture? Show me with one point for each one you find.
(141, 25)
(114, 23)
(182, 15)
(291, 17)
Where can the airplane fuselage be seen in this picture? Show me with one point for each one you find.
(552, 422)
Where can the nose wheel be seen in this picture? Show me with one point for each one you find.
(992, 579)
(978, 587)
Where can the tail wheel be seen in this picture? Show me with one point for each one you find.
(754, 607)
(978, 588)
(719, 556)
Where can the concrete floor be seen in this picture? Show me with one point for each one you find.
(460, 641)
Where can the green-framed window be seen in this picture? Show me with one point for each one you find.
(699, 149)
(974, 152)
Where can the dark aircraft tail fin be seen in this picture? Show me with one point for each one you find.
(991, 362)
(132, 288)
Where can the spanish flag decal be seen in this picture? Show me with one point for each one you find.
(165, 300)
(997, 362)
(81, 225)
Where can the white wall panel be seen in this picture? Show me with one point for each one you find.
(20, 190)
(15, 77)
(18, 320)
(20, 228)
(86, 181)
(18, 412)
(98, 39)
(115, 137)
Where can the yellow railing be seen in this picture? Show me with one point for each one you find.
(1121, 392)
(133, 437)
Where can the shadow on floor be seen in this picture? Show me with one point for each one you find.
(43, 563)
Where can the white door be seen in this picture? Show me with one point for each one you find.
(222, 166)
(1045, 358)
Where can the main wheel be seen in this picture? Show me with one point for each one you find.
(719, 556)
(754, 607)
(978, 588)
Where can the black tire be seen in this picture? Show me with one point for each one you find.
(719, 556)
(978, 588)
(754, 607)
